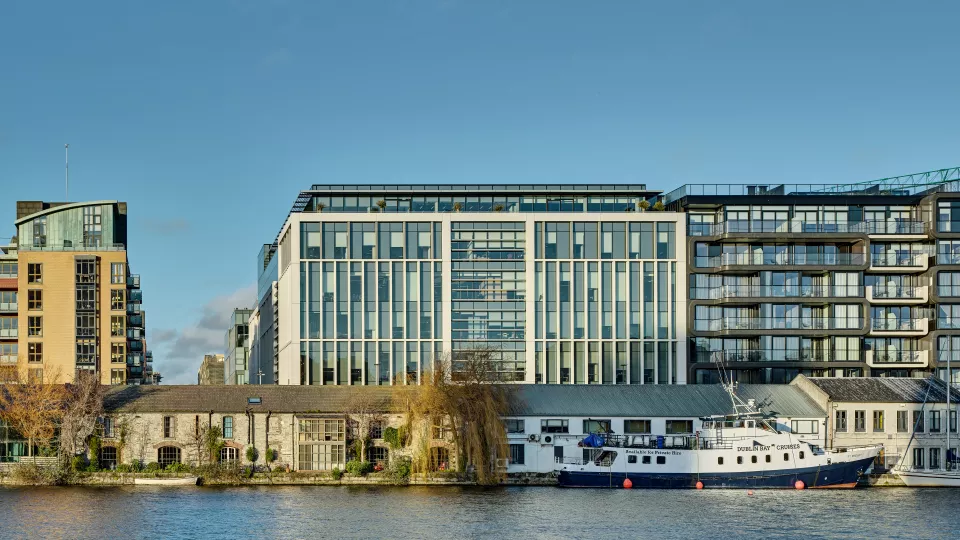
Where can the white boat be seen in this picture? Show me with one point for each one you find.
(741, 450)
(183, 481)
(945, 477)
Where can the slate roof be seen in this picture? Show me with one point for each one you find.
(885, 389)
(527, 400)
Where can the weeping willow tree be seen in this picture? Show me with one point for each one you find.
(461, 397)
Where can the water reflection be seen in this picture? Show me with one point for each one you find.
(417, 512)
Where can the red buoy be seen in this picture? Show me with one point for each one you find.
(750, 492)
(798, 484)
(627, 484)
(699, 484)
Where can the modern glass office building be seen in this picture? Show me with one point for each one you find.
(824, 280)
(564, 284)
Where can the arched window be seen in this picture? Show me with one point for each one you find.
(229, 455)
(439, 459)
(108, 457)
(168, 455)
(378, 454)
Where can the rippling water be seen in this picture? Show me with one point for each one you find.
(435, 512)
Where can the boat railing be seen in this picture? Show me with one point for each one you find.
(571, 461)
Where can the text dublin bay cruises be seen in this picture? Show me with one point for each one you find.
(740, 450)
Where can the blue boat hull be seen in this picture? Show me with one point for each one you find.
(834, 475)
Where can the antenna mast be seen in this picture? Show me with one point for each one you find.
(66, 167)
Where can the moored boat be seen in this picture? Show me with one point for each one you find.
(183, 481)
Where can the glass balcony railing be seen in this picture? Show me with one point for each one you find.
(8, 333)
(133, 281)
(774, 291)
(895, 292)
(135, 295)
(780, 259)
(8, 306)
(899, 357)
(777, 323)
(948, 323)
(948, 258)
(897, 325)
(786, 355)
(72, 247)
(900, 258)
(761, 226)
(948, 226)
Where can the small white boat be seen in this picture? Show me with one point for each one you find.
(934, 478)
(184, 481)
(949, 475)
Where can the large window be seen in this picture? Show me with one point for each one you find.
(378, 454)
(118, 273)
(439, 459)
(554, 426)
(679, 427)
(34, 273)
(636, 426)
(228, 454)
(169, 427)
(517, 454)
(596, 426)
(514, 425)
(92, 226)
(168, 455)
(321, 444)
(35, 299)
(841, 422)
(227, 427)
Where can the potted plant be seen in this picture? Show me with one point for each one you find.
(644, 204)
(382, 204)
(320, 207)
(457, 206)
(659, 207)
(498, 208)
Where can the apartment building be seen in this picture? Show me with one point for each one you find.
(78, 306)
(237, 358)
(572, 284)
(823, 280)
(262, 339)
(9, 322)
(211, 370)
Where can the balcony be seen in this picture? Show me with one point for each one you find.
(133, 309)
(757, 355)
(8, 359)
(901, 261)
(774, 291)
(948, 323)
(135, 321)
(135, 333)
(134, 359)
(72, 247)
(774, 227)
(893, 294)
(133, 281)
(134, 295)
(8, 307)
(896, 359)
(948, 226)
(895, 227)
(736, 324)
(891, 326)
(8, 333)
(780, 259)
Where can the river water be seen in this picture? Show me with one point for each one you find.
(444, 512)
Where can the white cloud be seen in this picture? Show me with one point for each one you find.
(179, 352)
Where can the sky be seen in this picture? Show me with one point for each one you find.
(207, 118)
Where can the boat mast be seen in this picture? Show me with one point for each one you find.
(946, 463)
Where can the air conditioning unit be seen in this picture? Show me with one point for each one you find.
(502, 463)
(547, 439)
(533, 438)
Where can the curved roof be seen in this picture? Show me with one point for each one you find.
(58, 208)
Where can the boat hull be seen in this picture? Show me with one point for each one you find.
(929, 479)
(835, 475)
(186, 481)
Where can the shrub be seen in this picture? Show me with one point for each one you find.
(252, 454)
(124, 468)
(271, 455)
(392, 437)
(28, 473)
(177, 467)
(78, 464)
(93, 467)
(137, 465)
(153, 466)
(336, 473)
(399, 470)
(658, 206)
(358, 467)
(644, 204)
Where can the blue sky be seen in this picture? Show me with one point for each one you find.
(208, 117)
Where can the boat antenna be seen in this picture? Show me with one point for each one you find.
(66, 171)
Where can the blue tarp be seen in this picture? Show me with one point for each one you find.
(592, 441)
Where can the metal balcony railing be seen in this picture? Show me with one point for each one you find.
(756, 355)
(775, 291)
(761, 226)
(897, 325)
(898, 357)
(780, 259)
(904, 258)
(895, 292)
(778, 323)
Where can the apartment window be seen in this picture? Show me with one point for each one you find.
(514, 425)
(35, 326)
(34, 273)
(859, 421)
(118, 273)
(118, 353)
(902, 422)
(169, 427)
(34, 352)
(636, 426)
(934, 458)
(376, 429)
(168, 455)
(878, 420)
(679, 427)
(918, 458)
(40, 231)
(227, 427)
(117, 299)
(805, 426)
(34, 299)
(92, 226)
(934, 422)
(118, 376)
(554, 426)
(517, 454)
(118, 325)
(918, 422)
(596, 426)
(841, 423)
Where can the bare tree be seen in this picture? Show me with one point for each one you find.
(83, 407)
(364, 408)
(33, 409)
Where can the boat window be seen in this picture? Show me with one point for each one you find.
(786, 456)
(768, 458)
(631, 459)
(801, 454)
(739, 460)
(750, 423)
(719, 461)
(753, 459)
(645, 460)
(661, 460)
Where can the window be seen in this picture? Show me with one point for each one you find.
(118, 376)
(596, 426)
(679, 427)
(918, 458)
(554, 426)
(767, 458)
(517, 453)
(805, 426)
(118, 352)
(106, 427)
(645, 460)
(786, 456)
(40, 231)
(801, 455)
(739, 460)
(35, 299)
(321, 444)
(169, 427)
(440, 430)
(35, 326)
(636, 426)
(902, 422)
(633, 459)
(118, 326)
(92, 226)
(34, 352)
(918, 421)
(439, 458)
(378, 454)
(841, 422)
(878, 420)
(108, 457)
(168, 455)
(227, 427)
(117, 299)
(376, 429)
(661, 460)
(934, 458)
(118, 273)
(514, 425)
(859, 421)
(719, 461)
(229, 454)
(934, 423)
(34, 273)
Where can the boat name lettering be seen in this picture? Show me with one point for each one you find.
(655, 452)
